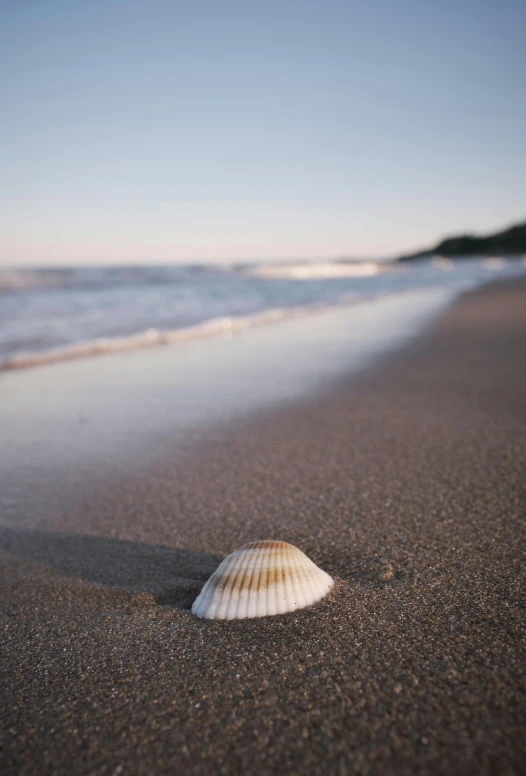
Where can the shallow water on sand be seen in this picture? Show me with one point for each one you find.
(79, 412)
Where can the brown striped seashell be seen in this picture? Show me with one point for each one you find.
(261, 579)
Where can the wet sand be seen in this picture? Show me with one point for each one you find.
(406, 483)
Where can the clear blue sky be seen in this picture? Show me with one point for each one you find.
(216, 130)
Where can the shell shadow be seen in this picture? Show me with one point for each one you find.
(172, 576)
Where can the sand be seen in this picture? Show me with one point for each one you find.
(406, 483)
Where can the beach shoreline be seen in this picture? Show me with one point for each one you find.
(404, 481)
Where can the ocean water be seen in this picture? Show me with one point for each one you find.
(54, 314)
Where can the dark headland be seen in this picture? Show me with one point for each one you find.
(510, 242)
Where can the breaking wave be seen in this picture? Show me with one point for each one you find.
(50, 315)
(224, 327)
(317, 270)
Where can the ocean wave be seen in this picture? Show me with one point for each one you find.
(157, 306)
(26, 279)
(69, 278)
(494, 262)
(316, 270)
(225, 327)
(441, 262)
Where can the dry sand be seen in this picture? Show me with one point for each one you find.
(406, 483)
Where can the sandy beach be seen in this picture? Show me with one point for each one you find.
(404, 480)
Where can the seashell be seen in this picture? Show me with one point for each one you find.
(261, 579)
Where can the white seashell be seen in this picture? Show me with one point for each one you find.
(261, 579)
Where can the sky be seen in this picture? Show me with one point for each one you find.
(138, 132)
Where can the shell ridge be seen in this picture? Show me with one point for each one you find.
(286, 593)
(300, 585)
(256, 599)
(250, 588)
(318, 584)
(265, 595)
(263, 590)
(289, 585)
(197, 605)
(219, 598)
(297, 583)
(294, 578)
(294, 581)
(292, 597)
(240, 609)
(205, 597)
(207, 593)
(310, 593)
(231, 586)
(275, 592)
(213, 598)
(219, 603)
(251, 582)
